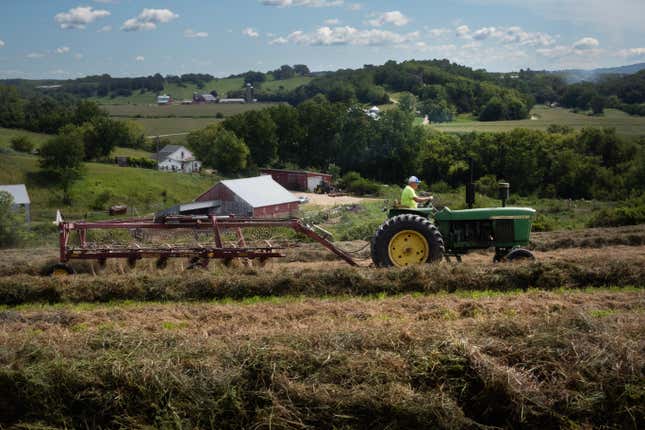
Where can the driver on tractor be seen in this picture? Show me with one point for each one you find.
(409, 198)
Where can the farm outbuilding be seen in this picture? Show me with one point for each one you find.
(298, 180)
(258, 197)
(20, 198)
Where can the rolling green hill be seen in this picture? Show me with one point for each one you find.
(139, 188)
(6, 134)
(185, 91)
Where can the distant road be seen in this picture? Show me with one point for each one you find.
(168, 135)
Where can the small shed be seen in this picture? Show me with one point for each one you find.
(257, 197)
(298, 180)
(20, 198)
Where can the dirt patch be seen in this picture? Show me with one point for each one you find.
(326, 200)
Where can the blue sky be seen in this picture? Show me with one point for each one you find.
(67, 39)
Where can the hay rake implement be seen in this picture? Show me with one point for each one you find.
(198, 254)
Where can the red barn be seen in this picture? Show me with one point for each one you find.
(298, 180)
(259, 197)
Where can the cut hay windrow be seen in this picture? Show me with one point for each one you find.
(249, 282)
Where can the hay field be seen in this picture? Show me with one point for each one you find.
(182, 111)
(312, 343)
(625, 124)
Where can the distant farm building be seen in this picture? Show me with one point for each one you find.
(298, 180)
(186, 102)
(176, 158)
(373, 112)
(20, 198)
(164, 99)
(204, 98)
(257, 197)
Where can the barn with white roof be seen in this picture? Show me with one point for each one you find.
(20, 198)
(257, 197)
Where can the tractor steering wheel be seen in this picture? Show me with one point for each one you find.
(426, 204)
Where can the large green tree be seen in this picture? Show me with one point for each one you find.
(258, 131)
(11, 108)
(321, 122)
(219, 148)
(61, 158)
(289, 132)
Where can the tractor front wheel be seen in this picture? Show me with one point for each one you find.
(406, 240)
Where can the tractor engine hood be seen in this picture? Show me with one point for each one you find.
(481, 214)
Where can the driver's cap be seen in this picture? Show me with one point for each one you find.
(413, 180)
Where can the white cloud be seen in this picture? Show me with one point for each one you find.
(1, 43)
(139, 58)
(306, 3)
(327, 36)
(437, 32)
(483, 33)
(78, 56)
(148, 19)
(250, 32)
(354, 7)
(463, 32)
(35, 55)
(586, 43)
(62, 50)
(191, 34)
(79, 17)
(279, 41)
(511, 35)
(631, 52)
(105, 29)
(615, 15)
(394, 17)
(331, 21)
(472, 45)
(587, 47)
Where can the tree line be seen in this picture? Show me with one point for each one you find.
(319, 134)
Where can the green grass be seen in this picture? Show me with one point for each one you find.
(6, 134)
(130, 152)
(138, 188)
(178, 110)
(625, 124)
(159, 120)
(160, 126)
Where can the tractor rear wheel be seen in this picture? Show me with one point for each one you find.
(405, 240)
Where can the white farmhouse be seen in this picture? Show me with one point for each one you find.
(176, 158)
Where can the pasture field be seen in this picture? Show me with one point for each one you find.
(626, 125)
(313, 343)
(140, 188)
(6, 134)
(161, 126)
(131, 152)
(184, 111)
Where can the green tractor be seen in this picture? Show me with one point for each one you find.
(427, 235)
